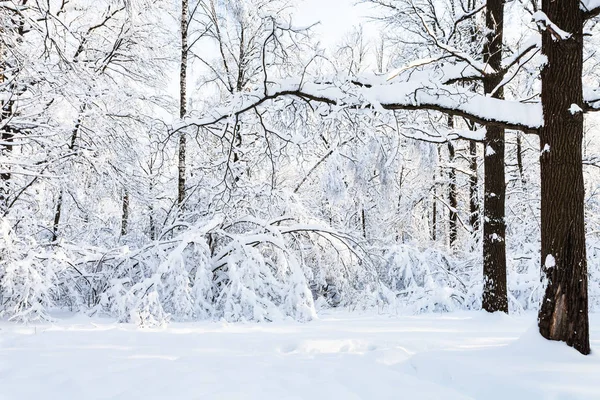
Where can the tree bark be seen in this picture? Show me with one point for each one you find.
(563, 314)
(434, 211)
(182, 102)
(473, 195)
(59, 201)
(520, 160)
(452, 196)
(57, 214)
(495, 297)
(125, 213)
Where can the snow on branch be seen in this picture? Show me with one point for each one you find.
(591, 98)
(544, 23)
(408, 95)
(590, 8)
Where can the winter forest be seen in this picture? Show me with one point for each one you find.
(184, 173)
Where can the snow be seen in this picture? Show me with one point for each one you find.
(546, 148)
(543, 22)
(411, 94)
(575, 109)
(591, 97)
(550, 261)
(340, 356)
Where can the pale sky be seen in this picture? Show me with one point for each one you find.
(336, 17)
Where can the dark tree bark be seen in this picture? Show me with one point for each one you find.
(363, 221)
(125, 213)
(434, 211)
(59, 201)
(520, 159)
(151, 221)
(452, 195)
(182, 102)
(473, 195)
(473, 179)
(495, 296)
(57, 214)
(16, 22)
(7, 148)
(563, 314)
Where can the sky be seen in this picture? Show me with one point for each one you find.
(335, 17)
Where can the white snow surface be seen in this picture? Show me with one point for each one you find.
(342, 355)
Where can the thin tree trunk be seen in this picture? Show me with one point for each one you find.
(57, 214)
(7, 147)
(151, 210)
(563, 314)
(473, 179)
(59, 202)
(452, 195)
(434, 211)
(125, 213)
(473, 182)
(182, 102)
(520, 160)
(364, 222)
(7, 113)
(495, 296)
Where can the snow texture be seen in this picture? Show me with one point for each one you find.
(341, 356)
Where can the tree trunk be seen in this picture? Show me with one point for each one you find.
(363, 222)
(473, 195)
(8, 108)
(57, 214)
(151, 221)
(182, 102)
(59, 201)
(473, 179)
(452, 196)
(495, 296)
(434, 211)
(563, 315)
(125, 214)
(7, 147)
(520, 160)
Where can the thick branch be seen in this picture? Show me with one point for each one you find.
(526, 117)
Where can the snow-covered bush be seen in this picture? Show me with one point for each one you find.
(28, 281)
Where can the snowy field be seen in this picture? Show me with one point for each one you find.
(340, 356)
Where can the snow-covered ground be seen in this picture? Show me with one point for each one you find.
(340, 356)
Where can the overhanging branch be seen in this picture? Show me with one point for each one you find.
(526, 117)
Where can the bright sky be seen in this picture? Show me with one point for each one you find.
(336, 17)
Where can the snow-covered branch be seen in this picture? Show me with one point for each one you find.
(590, 8)
(408, 95)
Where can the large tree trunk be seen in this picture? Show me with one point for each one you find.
(495, 296)
(564, 312)
(182, 101)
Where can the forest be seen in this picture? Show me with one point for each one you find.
(213, 162)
